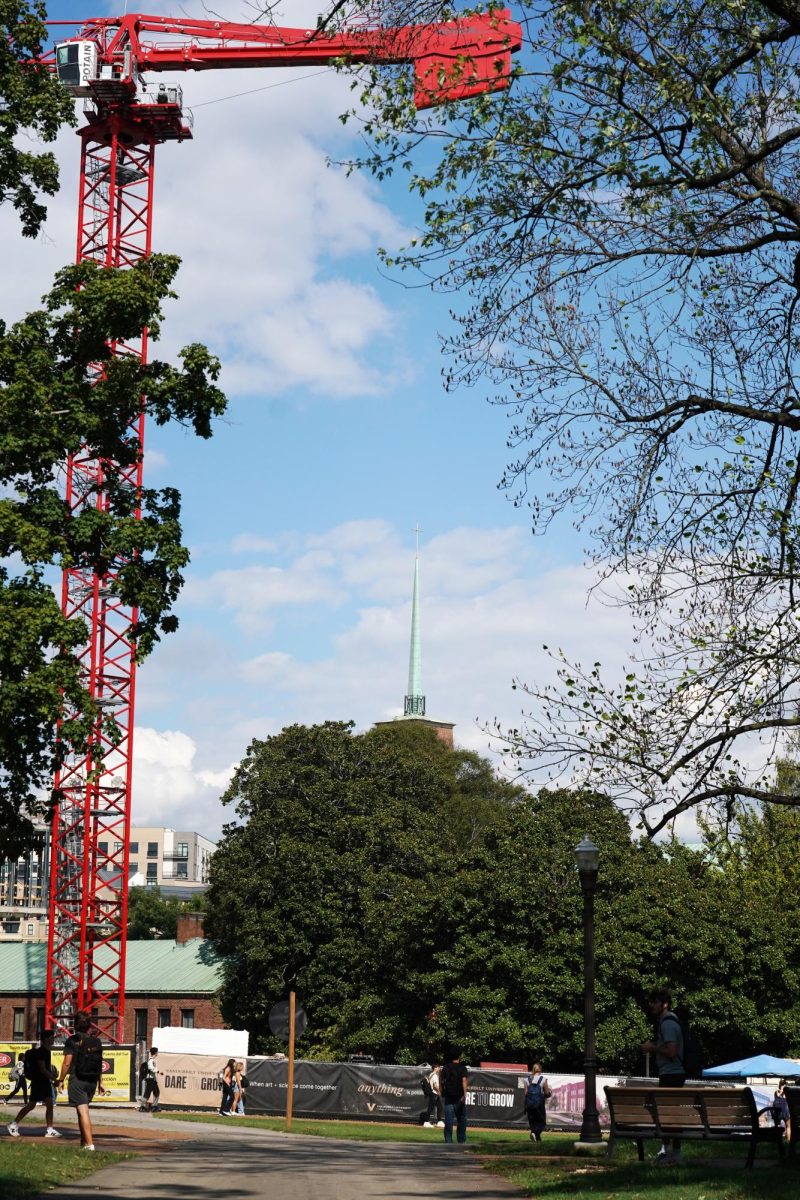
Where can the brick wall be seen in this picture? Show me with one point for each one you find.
(204, 1008)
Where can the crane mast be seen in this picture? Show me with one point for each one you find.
(105, 62)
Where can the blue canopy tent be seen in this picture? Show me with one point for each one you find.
(760, 1065)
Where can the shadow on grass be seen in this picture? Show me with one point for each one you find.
(699, 1178)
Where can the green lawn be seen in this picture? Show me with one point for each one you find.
(486, 1140)
(631, 1180)
(30, 1166)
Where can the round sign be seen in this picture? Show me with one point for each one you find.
(279, 1020)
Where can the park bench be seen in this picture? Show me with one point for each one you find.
(707, 1114)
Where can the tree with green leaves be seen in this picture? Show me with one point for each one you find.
(332, 880)
(415, 901)
(152, 915)
(33, 106)
(63, 390)
(622, 231)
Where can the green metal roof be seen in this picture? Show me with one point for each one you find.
(160, 968)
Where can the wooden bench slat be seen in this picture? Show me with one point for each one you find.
(711, 1114)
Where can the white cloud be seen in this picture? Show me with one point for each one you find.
(278, 249)
(167, 787)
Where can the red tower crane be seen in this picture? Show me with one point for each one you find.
(104, 62)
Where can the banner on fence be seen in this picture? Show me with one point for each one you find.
(388, 1093)
(118, 1071)
(190, 1080)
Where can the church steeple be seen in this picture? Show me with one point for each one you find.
(415, 700)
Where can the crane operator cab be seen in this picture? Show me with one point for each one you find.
(76, 64)
(113, 87)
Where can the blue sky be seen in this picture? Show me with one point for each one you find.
(340, 437)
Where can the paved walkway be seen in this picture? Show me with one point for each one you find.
(183, 1161)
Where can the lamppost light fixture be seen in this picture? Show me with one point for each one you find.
(587, 856)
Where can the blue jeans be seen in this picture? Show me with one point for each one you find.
(455, 1114)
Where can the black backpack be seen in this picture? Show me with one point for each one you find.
(450, 1081)
(29, 1064)
(88, 1062)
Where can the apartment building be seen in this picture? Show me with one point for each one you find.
(173, 860)
(167, 857)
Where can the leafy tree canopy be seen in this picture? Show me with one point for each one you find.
(55, 401)
(34, 106)
(622, 230)
(415, 901)
(152, 915)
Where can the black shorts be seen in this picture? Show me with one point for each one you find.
(41, 1091)
(151, 1088)
(80, 1091)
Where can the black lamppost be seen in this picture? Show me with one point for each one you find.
(587, 857)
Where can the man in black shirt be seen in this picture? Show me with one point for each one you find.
(83, 1062)
(453, 1085)
(41, 1079)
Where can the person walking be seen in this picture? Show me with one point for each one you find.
(38, 1066)
(83, 1062)
(240, 1082)
(434, 1098)
(16, 1076)
(453, 1085)
(152, 1091)
(227, 1080)
(781, 1114)
(537, 1091)
(668, 1049)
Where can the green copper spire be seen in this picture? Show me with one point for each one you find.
(415, 701)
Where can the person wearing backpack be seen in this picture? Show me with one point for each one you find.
(453, 1087)
(669, 1051)
(83, 1062)
(16, 1076)
(537, 1092)
(39, 1073)
(151, 1092)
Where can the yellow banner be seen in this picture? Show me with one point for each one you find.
(117, 1071)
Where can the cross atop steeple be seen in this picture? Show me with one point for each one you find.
(415, 700)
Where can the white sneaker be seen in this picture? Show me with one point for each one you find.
(428, 1125)
(50, 1132)
(440, 1124)
(12, 1129)
(87, 1147)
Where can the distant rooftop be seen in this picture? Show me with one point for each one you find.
(159, 967)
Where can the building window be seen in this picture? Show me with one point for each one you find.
(183, 850)
(103, 848)
(133, 867)
(140, 1026)
(30, 929)
(39, 1023)
(182, 870)
(117, 847)
(163, 1018)
(152, 872)
(187, 1018)
(19, 1024)
(134, 847)
(152, 849)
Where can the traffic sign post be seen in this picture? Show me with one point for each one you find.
(290, 1089)
(288, 1022)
